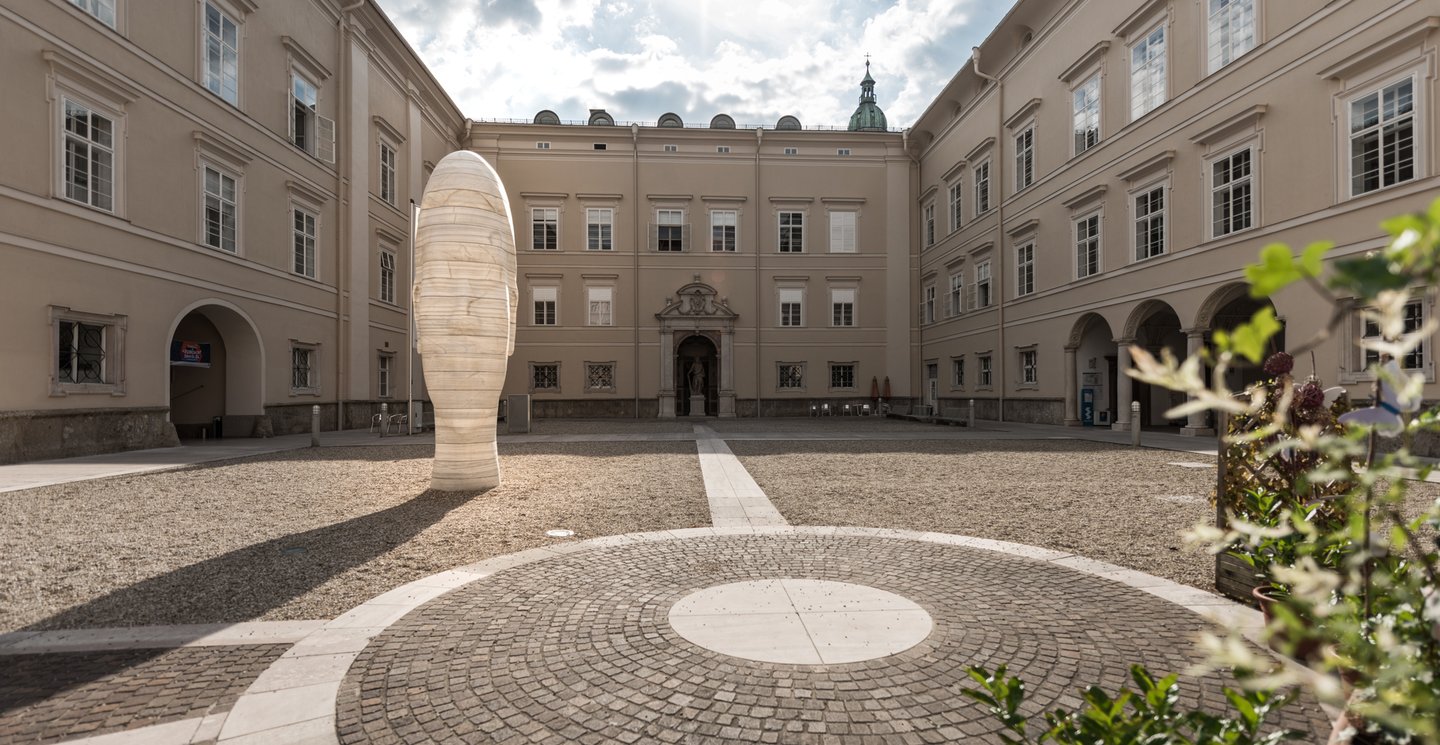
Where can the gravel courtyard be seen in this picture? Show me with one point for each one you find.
(309, 534)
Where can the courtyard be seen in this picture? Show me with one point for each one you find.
(324, 595)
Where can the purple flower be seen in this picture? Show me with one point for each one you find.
(1279, 364)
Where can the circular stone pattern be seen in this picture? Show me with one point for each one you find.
(800, 621)
(579, 648)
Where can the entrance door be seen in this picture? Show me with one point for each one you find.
(697, 370)
(932, 386)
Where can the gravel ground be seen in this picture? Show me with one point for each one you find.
(604, 426)
(853, 424)
(309, 534)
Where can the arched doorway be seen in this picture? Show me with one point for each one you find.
(1154, 326)
(697, 311)
(1227, 308)
(697, 367)
(1093, 368)
(216, 379)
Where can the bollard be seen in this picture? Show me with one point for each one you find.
(315, 426)
(1135, 423)
(970, 420)
(384, 418)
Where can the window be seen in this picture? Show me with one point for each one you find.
(791, 303)
(599, 146)
(843, 151)
(984, 361)
(929, 225)
(89, 156)
(303, 239)
(1150, 223)
(792, 232)
(1025, 269)
(542, 146)
(382, 375)
(1087, 114)
(220, 210)
(599, 376)
(792, 151)
(842, 376)
(957, 293)
(927, 307)
(544, 299)
(1029, 371)
(957, 372)
(544, 376)
(842, 232)
(545, 228)
(1231, 208)
(82, 353)
(671, 148)
(982, 188)
(1382, 138)
(1414, 319)
(1231, 31)
(1087, 246)
(1025, 158)
(722, 230)
(103, 10)
(722, 148)
(842, 307)
(792, 376)
(304, 373)
(304, 106)
(955, 207)
(88, 353)
(601, 303)
(222, 54)
(599, 229)
(387, 173)
(982, 285)
(387, 276)
(670, 230)
(1147, 73)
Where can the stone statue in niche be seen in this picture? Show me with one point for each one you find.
(697, 377)
(465, 302)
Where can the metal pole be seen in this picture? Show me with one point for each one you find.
(410, 362)
(384, 418)
(1135, 423)
(970, 422)
(315, 426)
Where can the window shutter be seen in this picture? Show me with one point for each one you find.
(290, 111)
(325, 139)
(654, 237)
(685, 237)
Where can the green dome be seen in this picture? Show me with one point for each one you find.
(867, 117)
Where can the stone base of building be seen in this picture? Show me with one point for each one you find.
(42, 435)
(1020, 410)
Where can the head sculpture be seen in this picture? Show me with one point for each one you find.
(465, 301)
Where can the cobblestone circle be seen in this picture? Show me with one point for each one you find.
(578, 649)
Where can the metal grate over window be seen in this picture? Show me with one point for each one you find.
(792, 376)
(600, 376)
(82, 352)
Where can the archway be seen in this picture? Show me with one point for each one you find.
(1093, 368)
(697, 366)
(1154, 326)
(1225, 309)
(215, 372)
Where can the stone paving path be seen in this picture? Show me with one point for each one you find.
(735, 499)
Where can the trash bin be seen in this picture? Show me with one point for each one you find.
(219, 426)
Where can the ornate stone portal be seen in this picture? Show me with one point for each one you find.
(696, 310)
(465, 301)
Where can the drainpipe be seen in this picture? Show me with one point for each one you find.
(759, 395)
(998, 287)
(917, 343)
(635, 246)
(343, 232)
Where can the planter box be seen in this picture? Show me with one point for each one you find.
(1235, 579)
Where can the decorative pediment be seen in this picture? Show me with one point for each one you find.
(696, 299)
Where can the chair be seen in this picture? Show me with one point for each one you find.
(377, 423)
(398, 423)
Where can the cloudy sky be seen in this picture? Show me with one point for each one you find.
(753, 59)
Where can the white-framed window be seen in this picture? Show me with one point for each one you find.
(981, 296)
(87, 352)
(842, 376)
(387, 276)
(927, 306)
(599, 229)
(1025, 268)
(1087, 246)
(842, 306)
(956, 198)
(1382, 137)
(1230, 31)
(957, 372)
(103, 10)
(545, 376)
(82, 353)
(1148, 87)
(304, 369)
(842, 232)
(792, 232)
(957, 293)
(221, 209)
(387, 173)
(723, 228)
(221, 43)
(546, 305)
(1025, 158)
(792, 307)
(670, 230)
(1086, 107)
(983, 362)
(304, 113)
(791, 376)
(542, 145)
(982, 187)
(844, 151)
(545, 228)
(1029, 369)
(302, 234)
(1150, 223)
(601, 304)
(1232, 195)
(792, 151)
(929, 212)
(599, 376)
(383, 366)
(1414, 319)
(88, 175)
(722, 148)
(672, 148)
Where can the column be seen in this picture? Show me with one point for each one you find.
(667, 373)
(1198, 423)
(727, 373)
(1125, 391)
(1072, 411)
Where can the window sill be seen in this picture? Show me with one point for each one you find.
(60, 390)
(311, 392)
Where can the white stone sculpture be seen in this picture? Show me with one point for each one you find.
(465, 300)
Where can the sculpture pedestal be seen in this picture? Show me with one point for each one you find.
(697, 405)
